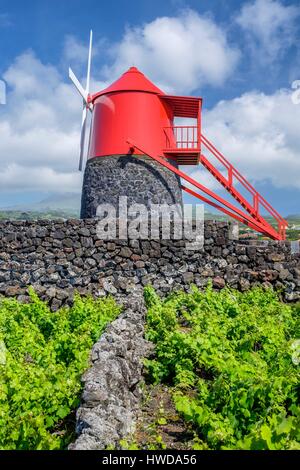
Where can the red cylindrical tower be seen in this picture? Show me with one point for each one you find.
(130, 108)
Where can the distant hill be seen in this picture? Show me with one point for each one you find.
(65, 201)
(37, 215)
(67, 204)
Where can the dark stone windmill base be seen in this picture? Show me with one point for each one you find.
(140, 178)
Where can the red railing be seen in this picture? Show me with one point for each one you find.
(185, 137)
(257, 200)
(253, 219)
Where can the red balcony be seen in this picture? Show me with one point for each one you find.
(183, 144)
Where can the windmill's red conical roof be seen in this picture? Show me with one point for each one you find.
(132, 80)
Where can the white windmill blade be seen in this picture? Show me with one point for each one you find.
(85, 104)
(82, 136)
(84, 93)
(78, 85)
(88, 77)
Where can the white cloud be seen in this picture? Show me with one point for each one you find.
(17, 177)
(270, 26)
(202, 176)
(38, 96)
(259, 134)
(39, 129)
(179, 53)
(75, 50)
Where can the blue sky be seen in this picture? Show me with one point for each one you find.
(241, 56)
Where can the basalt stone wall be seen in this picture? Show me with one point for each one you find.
(141, 179)
(112, 385)
(60, 257)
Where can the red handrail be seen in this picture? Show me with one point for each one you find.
(260, 226)
(233, 172)
(189, 138)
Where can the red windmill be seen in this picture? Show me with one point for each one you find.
(134, 117)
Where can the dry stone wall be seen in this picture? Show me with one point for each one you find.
(111, 394)
(60, 257)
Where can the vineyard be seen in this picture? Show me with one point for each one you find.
(226, 363)
(42, 358)
(231, 363)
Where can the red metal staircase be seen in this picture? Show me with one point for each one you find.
(187, 151)
(257, 201)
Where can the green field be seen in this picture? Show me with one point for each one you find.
(230, 362)
(37, 215)
(226, 362)
(42, 358)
